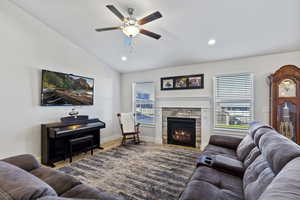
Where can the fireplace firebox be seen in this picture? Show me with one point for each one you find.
(182, 131)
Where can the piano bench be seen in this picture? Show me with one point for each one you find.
(81, 140)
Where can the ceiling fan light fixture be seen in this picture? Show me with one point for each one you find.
(131, 30)
(131, 27)
(212, 42)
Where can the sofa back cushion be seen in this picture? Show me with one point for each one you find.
(259, 133)
(25, 161)
(247, 150)
(245, 147)
(255, 126)
(254, 153)
(278, 150)
(256, 178)
(272, 153)
(21, 185)
(59, 181)
(286, 185)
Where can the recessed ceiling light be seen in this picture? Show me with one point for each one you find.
(124, 58)
(211, 42)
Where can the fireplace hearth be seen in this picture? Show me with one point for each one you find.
(181, 131)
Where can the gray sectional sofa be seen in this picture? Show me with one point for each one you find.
(262, 166)
(22, 178)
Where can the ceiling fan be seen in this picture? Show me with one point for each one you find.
(131, 27)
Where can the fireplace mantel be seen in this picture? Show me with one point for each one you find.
(186, 102)
(202, 102)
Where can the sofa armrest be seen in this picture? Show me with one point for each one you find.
(26, 162)
(230, 165)
(225, 141)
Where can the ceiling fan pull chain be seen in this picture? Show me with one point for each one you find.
(131, 45)
(127, 41)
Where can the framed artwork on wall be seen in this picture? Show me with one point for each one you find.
(167, 84)
(183, 82)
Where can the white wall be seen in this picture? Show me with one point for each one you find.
(26, 47)
(261, 66)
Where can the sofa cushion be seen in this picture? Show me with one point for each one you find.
(219, 179)
(226, 141)
(259, 133)
(59, 181)
(286, 185)
(254, 153)
(20, 184)
(202, 190)
(278, 150)
(245, 147)
(228, 165)
(25, 161)
(211, 150)
(256, 178)
(256, 125)
(85, 192)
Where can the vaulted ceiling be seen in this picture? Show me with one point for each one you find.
(241, 29)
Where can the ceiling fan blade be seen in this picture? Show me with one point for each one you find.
(150, 34)
(150, 18)
(107, 29)
(116, 12)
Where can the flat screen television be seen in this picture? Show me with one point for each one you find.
(60, 89)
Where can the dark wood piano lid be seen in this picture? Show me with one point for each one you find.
(63, 124)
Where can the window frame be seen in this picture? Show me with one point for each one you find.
(215, 102)
(134, 102)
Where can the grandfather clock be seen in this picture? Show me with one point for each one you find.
(285, 101)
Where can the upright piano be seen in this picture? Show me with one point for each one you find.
(55, 137)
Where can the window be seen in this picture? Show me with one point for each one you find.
(144, 102)
(233, 101)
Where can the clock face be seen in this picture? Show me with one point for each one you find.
(287, 88)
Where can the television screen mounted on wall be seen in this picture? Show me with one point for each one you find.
(60, 89)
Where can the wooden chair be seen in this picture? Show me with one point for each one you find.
(130, 129)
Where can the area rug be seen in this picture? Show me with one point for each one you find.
(137, 172)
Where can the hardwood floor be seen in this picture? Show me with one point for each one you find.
(106, 146)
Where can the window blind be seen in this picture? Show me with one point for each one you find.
(233, 102)
(230, 87)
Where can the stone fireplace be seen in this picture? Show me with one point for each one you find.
(181, 126)
(196, 108)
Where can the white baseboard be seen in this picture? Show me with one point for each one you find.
(114, 137)
(147, 138)
(110, 138)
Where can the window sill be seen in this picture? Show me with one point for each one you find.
(231, 131)
(147, 125)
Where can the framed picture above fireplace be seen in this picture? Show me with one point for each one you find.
(186, 82)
